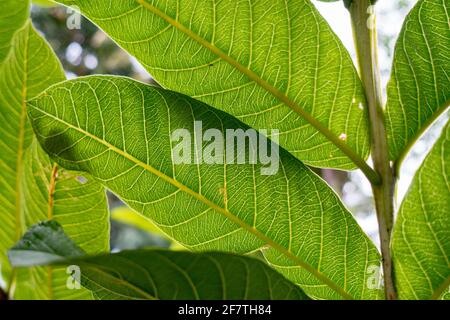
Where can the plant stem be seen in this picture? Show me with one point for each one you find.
(364, 30)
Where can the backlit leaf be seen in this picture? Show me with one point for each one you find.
(119, 131)
(264, 62)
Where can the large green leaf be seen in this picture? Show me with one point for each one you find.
(421, 244)
(27, 71)
(131, 218)
(44, 3)
(26, 172)
(120, 130)
(270, 63)
(13, 15)
(155, 274)
(419, 88)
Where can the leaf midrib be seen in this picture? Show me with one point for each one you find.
(349, 152)
(209, 203)
(125, 283)
(21, 138)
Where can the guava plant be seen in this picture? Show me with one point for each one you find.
(268, 65)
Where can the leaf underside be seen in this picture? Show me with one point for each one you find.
(21, 78)
(240, 56)
(421, 243)
(156, 274)
(26, 171)
(79, 205)
(419, 88)
(13, 16)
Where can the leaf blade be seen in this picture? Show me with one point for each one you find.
(25, 174)
(252, 86)
(13, 17)
(155, 274)
(79, 205)
(16, 133)
(419, 88)
(146, 178)
(421, 247)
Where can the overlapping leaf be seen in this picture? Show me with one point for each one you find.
(419, 88)
(421, 245)
(77, 204)
(28, 70)
(264, 62)
(26, 173)
(120, 130)
(13, 15)
(155, 274)
(129, 217)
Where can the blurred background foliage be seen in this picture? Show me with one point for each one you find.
(87, 50)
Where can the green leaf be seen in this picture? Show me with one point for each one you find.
(348, 3)
(26, 172)
(130, 217)
(119, 131)
(44, 3)
(421, 243)
(13, 16)
(78, 204)
(270, 63)
(28, 70)
(126, 215)
(419, 88)
(156, 274)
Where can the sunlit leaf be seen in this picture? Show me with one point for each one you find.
(13, 15)
(27, 192)
(44, 3)
(421, 245)
(266, 62)
(419, 88)
(125, 215)
(155, 274)
(30, 68)
(130, 217)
